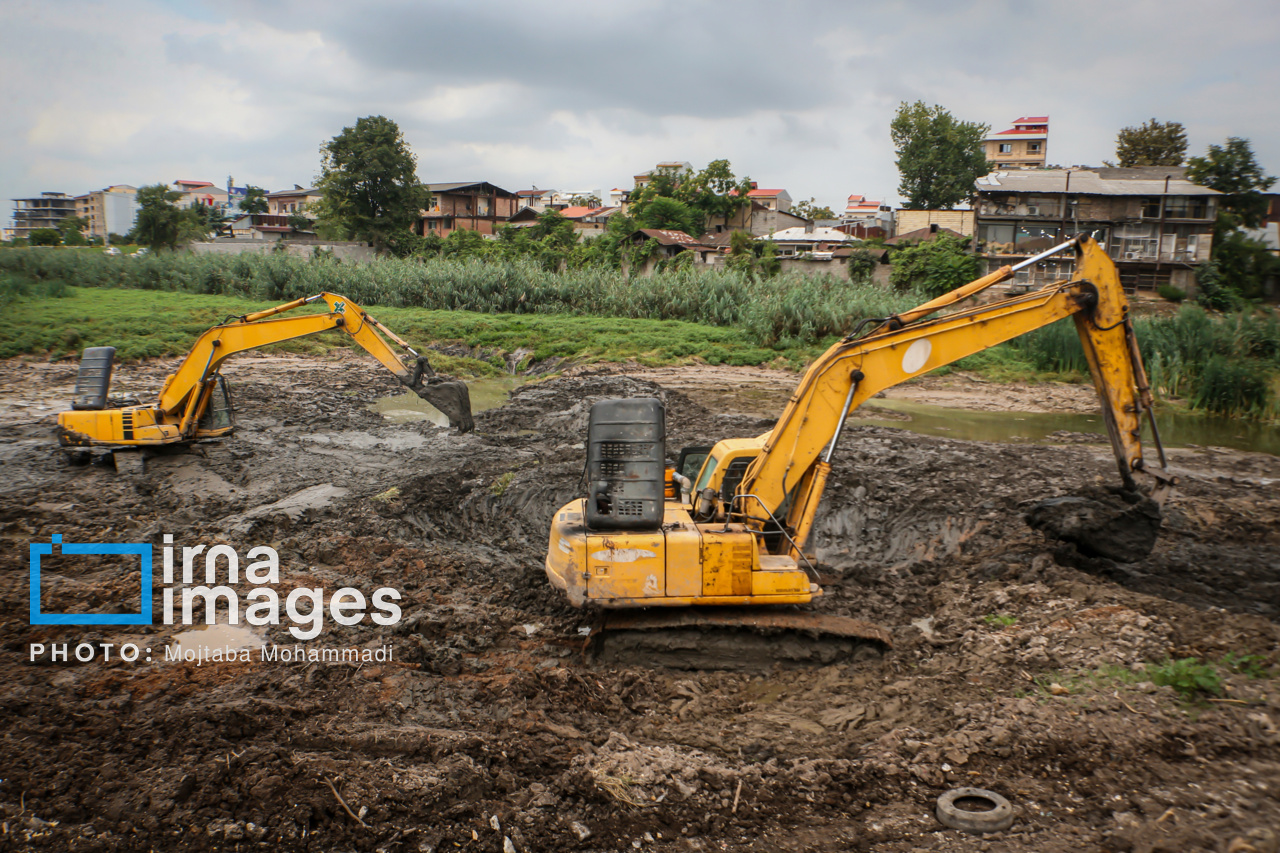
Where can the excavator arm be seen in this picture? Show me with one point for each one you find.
(187, 393)
(789, 475)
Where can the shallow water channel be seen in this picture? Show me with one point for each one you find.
(1176, 429)
(409, 407)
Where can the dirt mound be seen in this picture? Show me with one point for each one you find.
(1117, 525)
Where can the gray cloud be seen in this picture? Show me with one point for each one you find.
(585, 94)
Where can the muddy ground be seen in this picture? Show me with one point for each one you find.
(1016, 665)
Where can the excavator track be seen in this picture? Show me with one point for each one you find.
(731, 638)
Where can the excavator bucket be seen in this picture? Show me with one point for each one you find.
(451, 397)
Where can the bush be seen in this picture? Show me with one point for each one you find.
(935, 267)
(1188, 676)
(1171, 294)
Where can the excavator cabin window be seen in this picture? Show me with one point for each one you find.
(689, 463)
(220, 414)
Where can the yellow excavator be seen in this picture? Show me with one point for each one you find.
(725, 531)
(195, 402)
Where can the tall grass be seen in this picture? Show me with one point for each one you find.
(1224, 364)
(775, 312)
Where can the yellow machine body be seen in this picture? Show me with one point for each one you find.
(739, 538)
(194, 403)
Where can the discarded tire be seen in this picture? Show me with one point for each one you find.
(975, 810)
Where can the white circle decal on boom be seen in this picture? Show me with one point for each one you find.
(916, 355)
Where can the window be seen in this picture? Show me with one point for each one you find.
(1006, 147)
(1151, 208)
(1033, 147)
(1182, 207)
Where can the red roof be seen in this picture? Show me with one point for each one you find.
(578, 211)
(194, 183)
(1032, 120)
(765, 193)
(1017, 131)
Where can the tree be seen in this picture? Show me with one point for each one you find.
(1152, 143)
(713, 192)
(160, 222)
(939, 157)
(862, 265)
(935, 266)
(671, 214)
(1231, 169)
(810, 210)
(299, 221)
(554, 230)
(70, 227)
(592, 201)
(370, 183)
(44, 237)
(255, 200)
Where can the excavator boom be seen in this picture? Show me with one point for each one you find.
(194, 403)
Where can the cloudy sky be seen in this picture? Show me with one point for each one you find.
(583, 94)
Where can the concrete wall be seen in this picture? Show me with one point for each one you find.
(961, 221)
(356, 252)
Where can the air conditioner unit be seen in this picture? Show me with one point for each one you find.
(1132, 256)
(1032, 210)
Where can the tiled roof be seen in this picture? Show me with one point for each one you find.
(1032, 120)
(582, 211)
(194, 183)
(669, 238)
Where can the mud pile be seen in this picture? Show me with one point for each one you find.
(1013, 668)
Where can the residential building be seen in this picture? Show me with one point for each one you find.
(815, 242)
(112, 210)
(202, 192)
(1023, 146)
(757, 218)
(46, 211)
(535, 198)
(292, 201)
(863, 213)
(771, 199)
(1154, 223)
(672, 167)
(474, 206)
(589, 221)
(671, 243)
(264, 226)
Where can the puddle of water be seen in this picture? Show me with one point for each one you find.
(233, 637)
(408, 407)
(1176, 430)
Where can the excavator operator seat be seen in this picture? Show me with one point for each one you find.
(93, 382)
(626, 464)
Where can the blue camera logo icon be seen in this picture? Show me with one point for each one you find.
(142, 550)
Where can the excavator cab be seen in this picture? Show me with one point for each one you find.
(219, 416)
